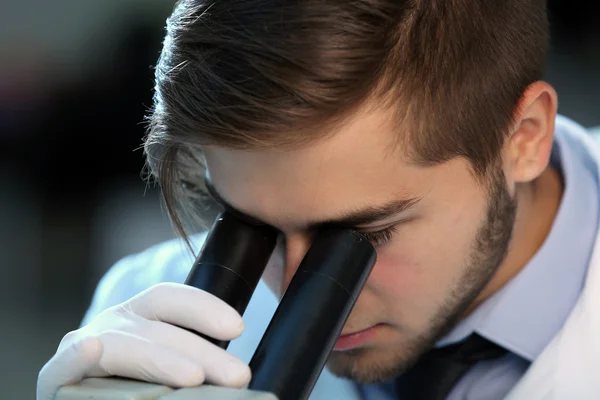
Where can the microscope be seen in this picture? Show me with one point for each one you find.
(307, 322)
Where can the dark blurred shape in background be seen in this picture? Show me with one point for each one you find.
(75, 82)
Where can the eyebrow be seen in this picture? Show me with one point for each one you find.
(352, 219)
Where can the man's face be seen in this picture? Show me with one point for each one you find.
(433, 258)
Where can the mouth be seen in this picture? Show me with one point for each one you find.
(355, 340)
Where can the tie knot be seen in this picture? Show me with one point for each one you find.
(436, 373)
(473, 349)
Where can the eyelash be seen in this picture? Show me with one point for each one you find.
(379, 238)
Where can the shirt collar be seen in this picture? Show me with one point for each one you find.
(529, 310)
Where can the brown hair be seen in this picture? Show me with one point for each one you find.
(247, 74)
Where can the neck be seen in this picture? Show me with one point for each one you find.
(538, 205)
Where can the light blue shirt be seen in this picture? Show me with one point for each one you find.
(526, 313)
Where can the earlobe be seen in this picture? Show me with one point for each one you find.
(530, 143)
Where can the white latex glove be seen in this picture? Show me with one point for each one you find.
(142, 339)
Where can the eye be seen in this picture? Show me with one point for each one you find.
(379, 238)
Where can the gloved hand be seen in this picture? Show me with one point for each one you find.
(143, 339)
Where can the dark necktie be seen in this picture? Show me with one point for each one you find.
(436, 373)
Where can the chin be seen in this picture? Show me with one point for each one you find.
(369, 365)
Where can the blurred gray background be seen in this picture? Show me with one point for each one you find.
(75, 81)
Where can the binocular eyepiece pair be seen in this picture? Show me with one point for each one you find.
(312, 311)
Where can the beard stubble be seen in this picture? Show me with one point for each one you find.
(488, 250)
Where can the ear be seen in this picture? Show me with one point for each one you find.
(529, 145)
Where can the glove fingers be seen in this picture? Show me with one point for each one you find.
(69, 365)
(219, 366)
(132, 356)
(188, 307)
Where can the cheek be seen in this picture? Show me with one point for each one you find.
(422, 264)
(394, 273)
(403, 284)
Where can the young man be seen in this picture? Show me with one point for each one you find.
(422, 124)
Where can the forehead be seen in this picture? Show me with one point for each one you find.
(357, 166)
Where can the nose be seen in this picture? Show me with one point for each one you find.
(295, 249)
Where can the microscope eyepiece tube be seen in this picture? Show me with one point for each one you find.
(232, 261)
(311, 314)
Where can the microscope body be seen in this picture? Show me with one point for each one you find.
(302, 332)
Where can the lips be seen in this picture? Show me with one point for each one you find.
(355, 340)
